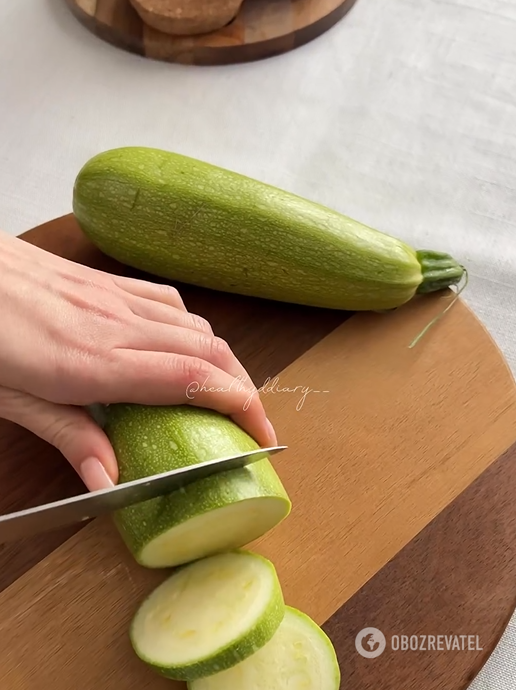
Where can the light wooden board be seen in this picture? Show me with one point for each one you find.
(397, 436)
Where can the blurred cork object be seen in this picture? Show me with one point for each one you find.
(187, 17)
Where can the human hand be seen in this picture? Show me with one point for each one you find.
(73, 336)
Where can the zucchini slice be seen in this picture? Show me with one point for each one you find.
(300, 656)
(209, 616)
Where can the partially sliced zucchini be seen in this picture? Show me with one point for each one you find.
(209, 616)
(213, 515)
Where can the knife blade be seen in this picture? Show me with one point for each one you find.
(49, 516)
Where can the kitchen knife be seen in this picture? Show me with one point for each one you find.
(27, 523)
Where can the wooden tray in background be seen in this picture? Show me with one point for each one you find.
(401, 475)
(262, 29)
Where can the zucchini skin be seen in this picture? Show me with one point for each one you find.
(149, 440)
(182, 219)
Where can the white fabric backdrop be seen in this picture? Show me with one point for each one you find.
(403, 116)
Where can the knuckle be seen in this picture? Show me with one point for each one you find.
(171, 294)
(219, 350)
(60, 431)
(195, 369)
(201, 324)
(79, 376)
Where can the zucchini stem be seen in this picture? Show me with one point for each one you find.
(439, 271)
(441, 314)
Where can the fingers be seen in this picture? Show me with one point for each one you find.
(70, 429)
(159, 378)
(181, 333)
(160, 303)
(149, 310)
(153, 292)
(147, 349)
(190, 343)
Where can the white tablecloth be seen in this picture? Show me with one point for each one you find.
(403, 116)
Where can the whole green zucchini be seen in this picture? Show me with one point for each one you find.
(182, 219)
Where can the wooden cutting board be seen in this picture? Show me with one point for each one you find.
(394, 459)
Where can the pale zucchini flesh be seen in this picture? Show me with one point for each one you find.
(209, 616)
(300, 656)
(184, 219)
(215, 514)
(222, 529)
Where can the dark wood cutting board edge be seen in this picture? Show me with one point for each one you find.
(477, 529)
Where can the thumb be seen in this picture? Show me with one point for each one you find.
(70, 429)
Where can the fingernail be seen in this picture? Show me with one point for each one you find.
(94, 475)
(272, 433)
